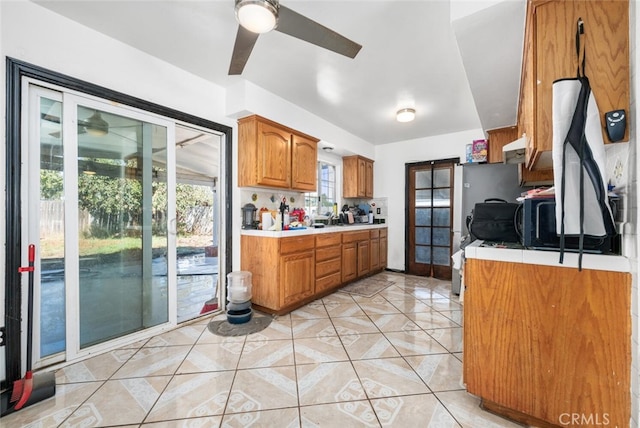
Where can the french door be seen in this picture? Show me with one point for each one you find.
(429, 218)
(98, 198)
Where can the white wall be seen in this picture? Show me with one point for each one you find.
(389, 181)
(631, 241)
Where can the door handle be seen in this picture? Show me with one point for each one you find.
(171, 227)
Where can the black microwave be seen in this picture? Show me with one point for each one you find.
(538, 229)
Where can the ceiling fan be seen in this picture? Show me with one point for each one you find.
(261, 16)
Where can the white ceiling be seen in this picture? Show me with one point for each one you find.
(410, 58)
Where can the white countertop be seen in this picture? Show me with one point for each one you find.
(310, 230)
(547, 258)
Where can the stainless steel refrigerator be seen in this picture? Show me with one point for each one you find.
(480, 182)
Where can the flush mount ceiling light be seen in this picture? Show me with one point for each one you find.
(405, 115)
(257, 16)
(96, 125)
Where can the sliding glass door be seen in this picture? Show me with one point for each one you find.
(100, 192)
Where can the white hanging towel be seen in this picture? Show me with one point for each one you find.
(582, 205)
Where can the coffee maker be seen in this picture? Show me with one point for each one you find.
(248, 217)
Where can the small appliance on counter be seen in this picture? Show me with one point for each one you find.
(248, 217)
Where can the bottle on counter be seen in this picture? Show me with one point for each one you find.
(370, 217)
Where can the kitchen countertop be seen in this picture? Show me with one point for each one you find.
(547, 258)
(309, 230)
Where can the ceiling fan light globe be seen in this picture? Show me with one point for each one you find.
(96, 125)
(257, 16)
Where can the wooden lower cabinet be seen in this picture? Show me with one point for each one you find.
(349, 261)
(328, 261)
(544, 342)
(290, 272)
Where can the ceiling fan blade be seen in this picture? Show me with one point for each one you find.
(303, 28)
(245, 40)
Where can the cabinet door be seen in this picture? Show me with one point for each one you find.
(607, 60)
(368, 179)
(364, 259)
(383, 252)
(274, 156)
(374, 257)
(362, 177)
(349, 262)
(297, 276)
(304, 159)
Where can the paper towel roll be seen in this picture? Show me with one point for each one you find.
(266, 221)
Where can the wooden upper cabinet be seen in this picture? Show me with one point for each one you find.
(272, 155)
(498, 138)
(357, 177)
(304, 159)
(550, 54)
(501, 136)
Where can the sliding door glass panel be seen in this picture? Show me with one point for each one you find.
(198, 223)
(122, 236)
(51, 228)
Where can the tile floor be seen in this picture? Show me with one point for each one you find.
(391, 360)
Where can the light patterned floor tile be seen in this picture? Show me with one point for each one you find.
(119, 402)
(200, 422)
(275, 331)
(354, 325)
(394, 322)
(466, 409)
(212, 357)
(443, 305)
(187, 335)
(263, 389)
(394, 293)
(455, 316)
(309, 312)
(410, 305)
(458, 355)
(379, 308)
(266, 353)
(450, 338)
(281, 418)
(52, 411)
(328, 383)
(319, 350)
(193, 395)
(344, 310)
(428, 320)
(100, 367)
(414, 343)
(373, 299)
(389, 377)
(346, 414)
(368, 346)
(153, 362)
(312, 328)
(424, 411)
(337, 298)
(209, 337)
(441, 372)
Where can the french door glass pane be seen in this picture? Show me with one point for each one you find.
(423, 179)
(441, 178)
(441, 256)
(51, 230)
(423, 254)
(423, 236)
(122, 197)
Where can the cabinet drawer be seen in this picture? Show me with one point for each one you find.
(328, 282)
(327, 239)
(323, 254)
(300, 243)
(328, 267)
(374, 234)
(355, 236)
(383, 233)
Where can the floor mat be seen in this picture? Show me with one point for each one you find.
(225, 328)
(368, 287)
